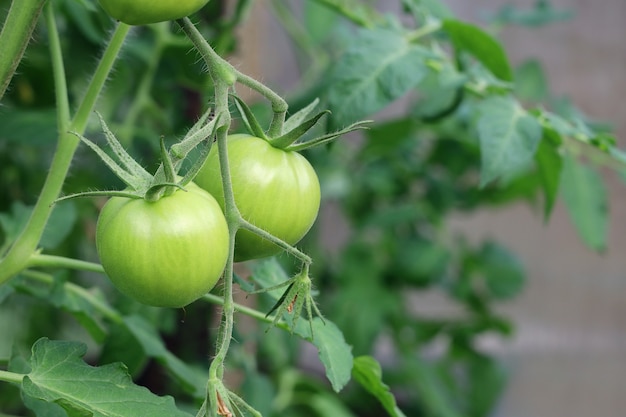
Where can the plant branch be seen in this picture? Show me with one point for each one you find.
(278, 242)
(51, 261)
(56, 55)
(223, 71)
(214, 299)
(16, 31)
(19, 254)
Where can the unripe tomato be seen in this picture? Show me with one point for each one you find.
(165, 253)
(143, 12)
(274, 189)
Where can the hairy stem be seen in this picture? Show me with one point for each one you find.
(62, 101)
(224, 71)
(16, 32)
(222, 76)
(19, 254)
(259, 315)
(296, 253)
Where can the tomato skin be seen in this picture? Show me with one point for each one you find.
(274, 189)
(143, 12)
(166, 253)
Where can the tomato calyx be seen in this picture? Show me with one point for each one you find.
(139, 182)
(295, 127)
(298, 296)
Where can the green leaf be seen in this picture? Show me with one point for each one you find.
(192, 379)
(484, 47)
(530, 81)
(543, 13)
(326, 404)
(586, 199)
(379, 67)
(487, 381)
(259, 392)
(269, 273)
(121, 345)
(549, 164)
(368, 374)
(441, 92)
(82, 14)
(28, 127)
(62, 220)
(60, 376)
(508, 137)
(80, 307)
(384, 139)
(503, 272)
(356, 10)
(320, 21)
(333, 351)
(435, 8)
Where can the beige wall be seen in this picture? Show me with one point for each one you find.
(569, 356)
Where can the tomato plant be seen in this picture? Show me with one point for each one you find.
(276, 190)
(459, 133)
(179, 246)
(143, 12)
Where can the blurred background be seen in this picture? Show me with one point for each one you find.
(568, 354)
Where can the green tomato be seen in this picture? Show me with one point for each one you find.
(165, 253)
(276, 190)
(143, 12)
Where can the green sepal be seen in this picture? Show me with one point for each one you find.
(197, 165)
(128, 178)
(298, 117)
(297, 297)
(179, 151)
(281, 300)
(141, 184)
(127, 161)
(125, 194)
(168, 165)
(157, 191)
(199, 132)
(293, 135)
(248, 118)
(321, 140)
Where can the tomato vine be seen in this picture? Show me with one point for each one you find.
(399, 204)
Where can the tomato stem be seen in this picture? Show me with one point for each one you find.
(51, 261)
(295, 252)
(16, 31)
(223, 71)
(62, 101)
(26, 243)
(250, 312)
